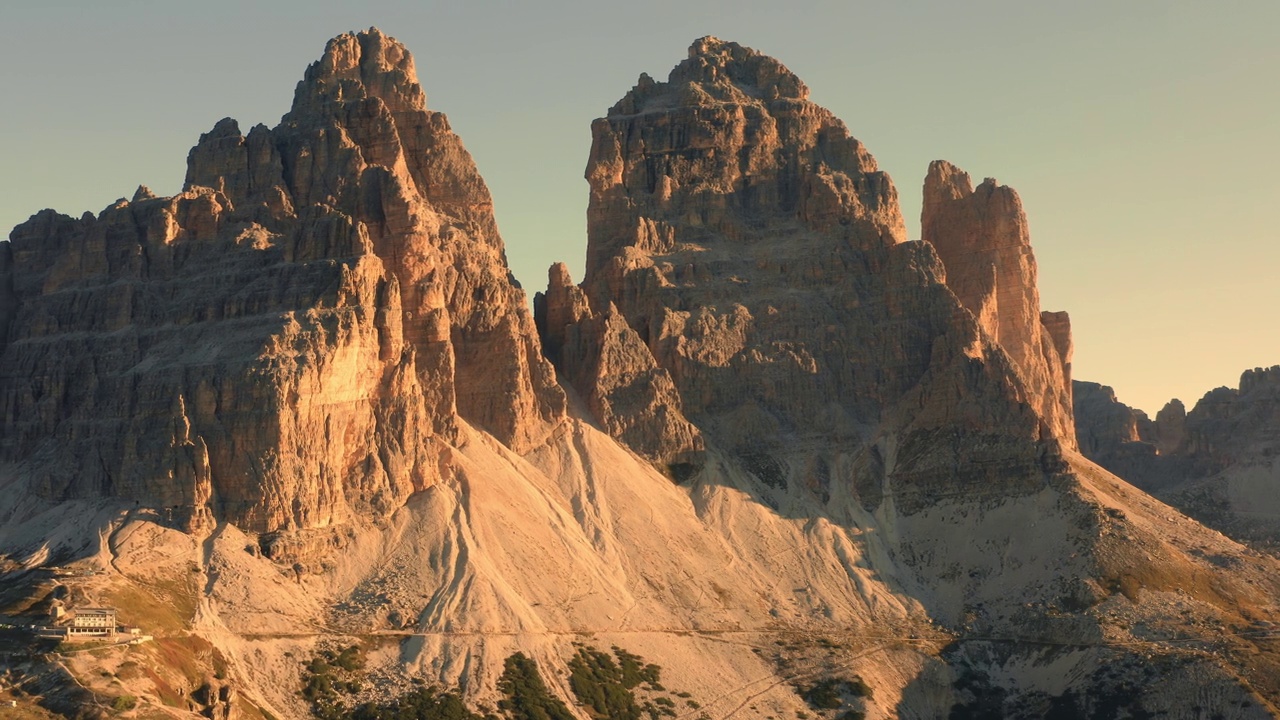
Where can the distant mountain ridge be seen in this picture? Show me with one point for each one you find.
(1215, 462)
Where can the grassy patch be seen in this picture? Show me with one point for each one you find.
(161, 609)
(186, 655)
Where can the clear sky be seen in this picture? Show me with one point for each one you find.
(1143, 136)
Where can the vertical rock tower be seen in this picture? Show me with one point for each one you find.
(983, 239)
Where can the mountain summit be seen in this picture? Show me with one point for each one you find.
(339, 277)
(298, 424)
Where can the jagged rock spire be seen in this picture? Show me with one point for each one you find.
(983, 239)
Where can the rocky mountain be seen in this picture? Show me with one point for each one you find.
(298, 423)
(1216, 462)
(339, 277)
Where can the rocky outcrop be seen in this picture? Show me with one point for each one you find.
(360, 139)
(607, 363)
(1227, 427)
(1170, 429)
(1114, 435)
(1058, 326)
(321, 323)
(729, 142)
(287, 341)
(984, 242)
(841, 376)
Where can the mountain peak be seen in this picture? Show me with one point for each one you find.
(356, 66)
(715, 61)
(716, 72)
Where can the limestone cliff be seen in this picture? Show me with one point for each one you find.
(1103, 423)
(839, 374)
(984, 242)
(279, 345)
(756, 250)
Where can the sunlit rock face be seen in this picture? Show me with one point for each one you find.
(983, 239)
(870, 483)
(605, 361)
(758, 253)
(285, 342)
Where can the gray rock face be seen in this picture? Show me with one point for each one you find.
(1216, 462)
(869, 430)
(1103, 423)
(285, 342)
(839, 374)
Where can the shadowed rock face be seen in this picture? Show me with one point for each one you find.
(747, 271)
(982, 237)
(1103, 423)
(758, 254)
(1216, 462)
(1227, 427)
(284, 342)
(607, 363)
(318, 324)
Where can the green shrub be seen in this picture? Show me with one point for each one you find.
(828, 694)
(634, 671)
(419, 704)
(527, 697)
(350, 659)
(600, 684)
(123, 703)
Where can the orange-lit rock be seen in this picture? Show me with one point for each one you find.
(982, 237)
(281, 344)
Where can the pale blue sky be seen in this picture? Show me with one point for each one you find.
(1141, 135)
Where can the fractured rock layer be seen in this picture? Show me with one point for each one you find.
(321, 324)
(601, 357)
(840, 374)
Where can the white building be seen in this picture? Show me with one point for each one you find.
(93, 622)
